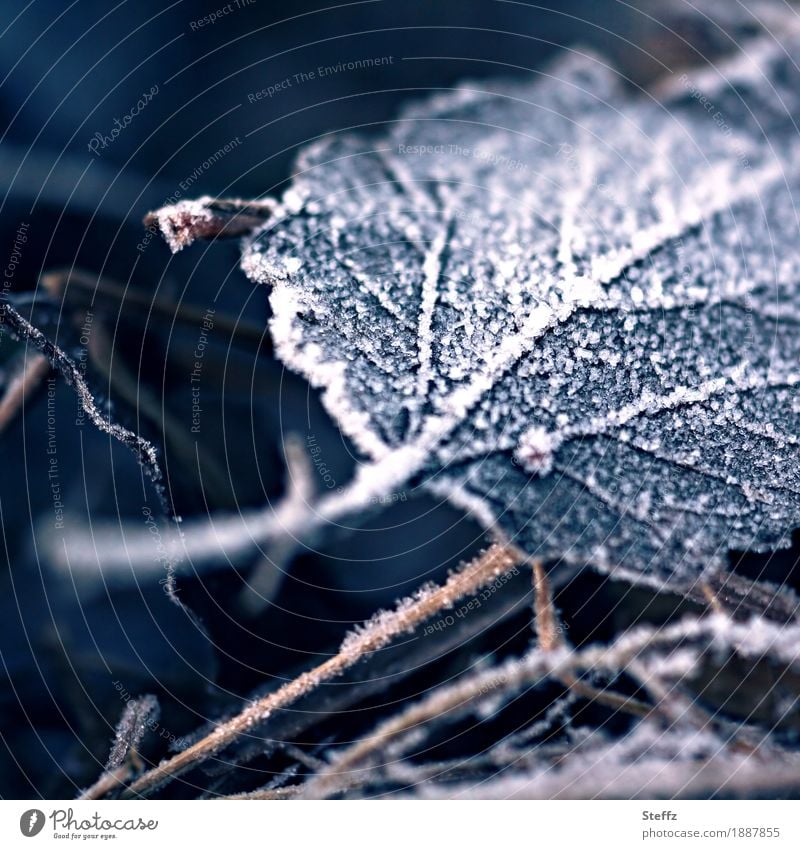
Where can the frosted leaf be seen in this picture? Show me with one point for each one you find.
(569, 308)
(139, 716)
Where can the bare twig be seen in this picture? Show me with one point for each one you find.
(549, 634)
(290, 792)
(34, 368)
(108, 782)
(352, 767)
(545, 617)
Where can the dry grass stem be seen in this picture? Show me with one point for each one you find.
(374, 635)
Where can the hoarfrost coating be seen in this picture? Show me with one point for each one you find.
(622, 312)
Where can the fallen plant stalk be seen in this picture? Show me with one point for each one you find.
(374, 635)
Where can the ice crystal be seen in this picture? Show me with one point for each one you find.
(139, 716)
(568, 307)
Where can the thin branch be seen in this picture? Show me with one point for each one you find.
(656, 766)
(195, 459)
(549, 635)
(108, 549)
(108, 782)
(562, 664)
(743, 598)
(375, 634)
(138, 716)
(548, 632)
(290, 792)
(268, 573)
(452, 700)
(11, 320)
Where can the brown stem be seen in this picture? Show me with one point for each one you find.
(107, 782)
(24, 383)
(549, 635)
(493, 562)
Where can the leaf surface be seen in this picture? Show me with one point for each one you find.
(567, 306)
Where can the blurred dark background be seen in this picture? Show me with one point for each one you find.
(109, 110)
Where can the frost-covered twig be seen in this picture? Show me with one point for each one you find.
(295, 519)
(108, 782)
(742, 598)
(375, 634)
(130, 389)
(21, 384)
(353, 763)
(549, 636)
(208, 218)
(290, 792)
(268, 572)
(648, 763)
(138, 715)
(514, 750)
(144, 450)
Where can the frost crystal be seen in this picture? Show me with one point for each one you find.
(569, 308)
